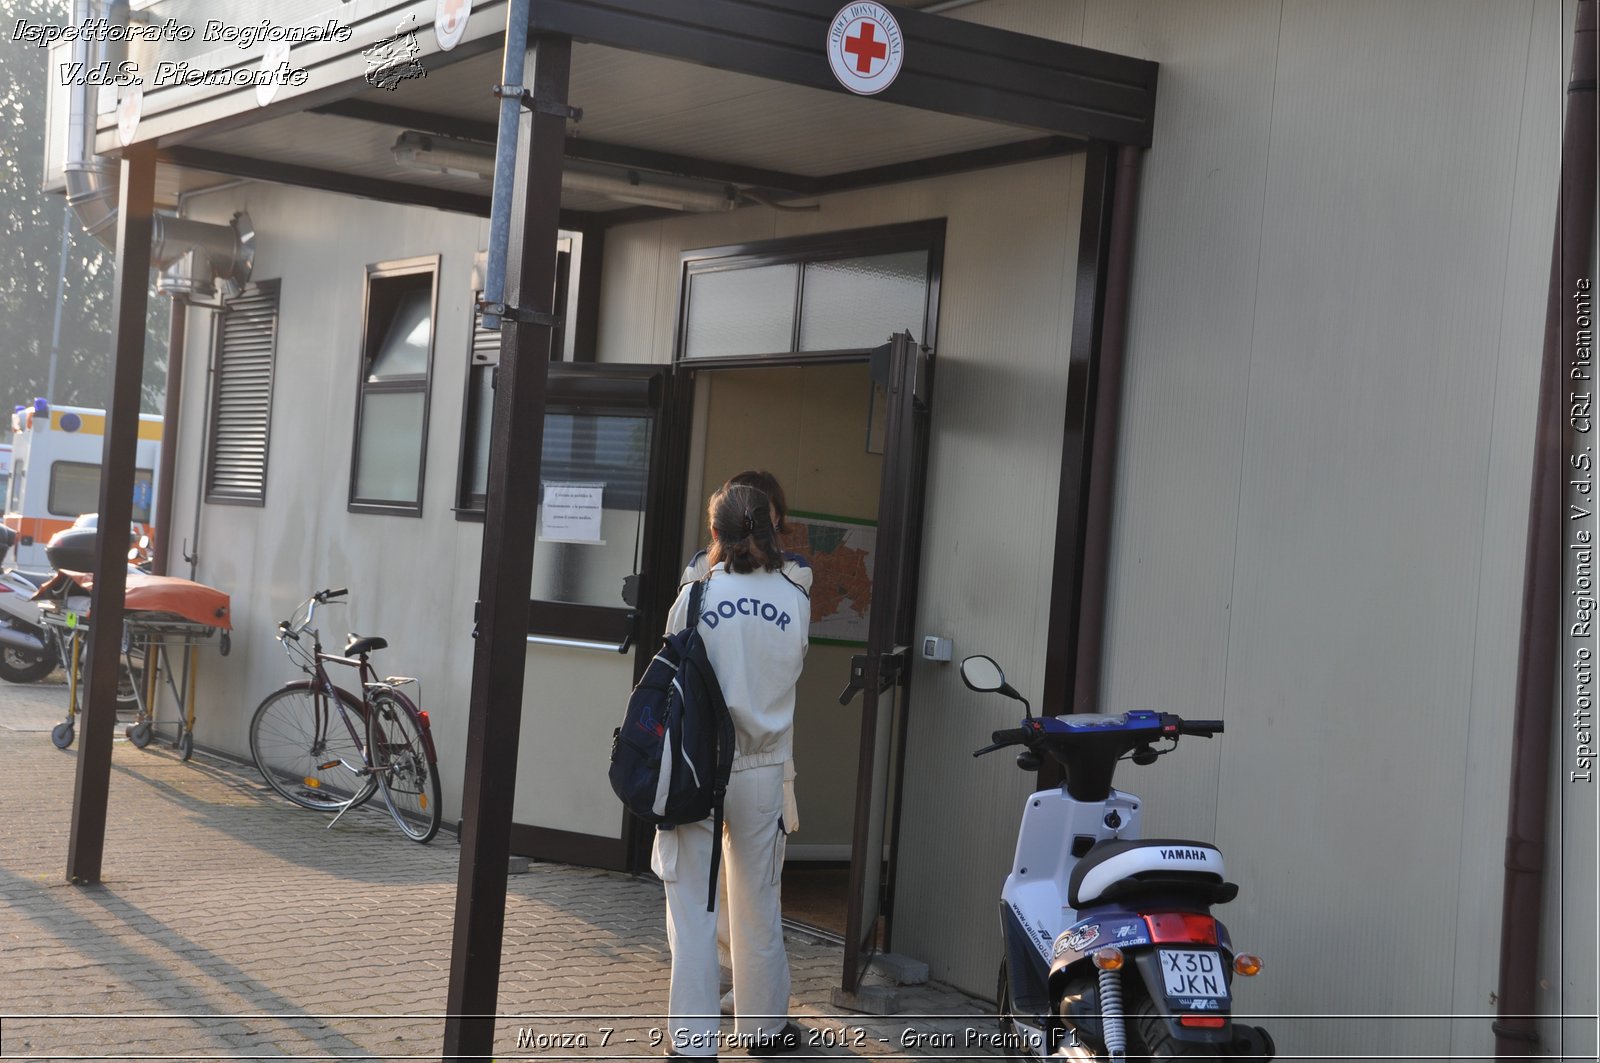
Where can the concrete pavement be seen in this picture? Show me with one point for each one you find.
(231, 925)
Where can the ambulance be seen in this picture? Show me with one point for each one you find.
(56, 453)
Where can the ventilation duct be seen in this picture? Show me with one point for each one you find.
(192, 255)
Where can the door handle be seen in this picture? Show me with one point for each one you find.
(858, 679)
(891, 666)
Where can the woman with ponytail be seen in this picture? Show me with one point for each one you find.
(753, 621)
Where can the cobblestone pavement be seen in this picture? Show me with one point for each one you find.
(231, 925)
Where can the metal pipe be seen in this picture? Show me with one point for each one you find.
(1537, 702)
(171, 414)
(1107, 423)
(91, 181)
(505, 156)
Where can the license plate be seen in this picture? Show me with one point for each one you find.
(1192, 973)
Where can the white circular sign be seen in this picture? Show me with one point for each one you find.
(865, 48)
(274, 65)
(129, 109)
(450, 22)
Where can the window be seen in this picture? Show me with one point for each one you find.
(241, 408)
(75, 490)
(392, 395)
(829, 294)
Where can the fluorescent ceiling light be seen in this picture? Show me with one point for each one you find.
(473, 158)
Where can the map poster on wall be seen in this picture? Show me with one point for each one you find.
(840, 552)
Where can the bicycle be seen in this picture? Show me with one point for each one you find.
(324, 748)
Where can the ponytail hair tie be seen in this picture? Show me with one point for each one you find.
(749, 524)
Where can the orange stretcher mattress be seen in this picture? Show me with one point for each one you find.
(157, 594)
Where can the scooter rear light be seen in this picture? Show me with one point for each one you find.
(1189, 927)
(1212, 1021)
(1247, 964)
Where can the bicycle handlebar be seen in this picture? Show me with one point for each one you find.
(324, 596)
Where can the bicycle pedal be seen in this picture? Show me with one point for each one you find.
(330, 764)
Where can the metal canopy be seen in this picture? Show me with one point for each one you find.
(733, 92)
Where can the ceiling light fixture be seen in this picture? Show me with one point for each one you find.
(456, 157)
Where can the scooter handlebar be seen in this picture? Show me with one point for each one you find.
(1009, 736)
(1201, 728)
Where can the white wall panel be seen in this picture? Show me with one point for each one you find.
(304, 538)
(1351, 626)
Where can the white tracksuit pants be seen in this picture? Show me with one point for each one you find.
(753, 861)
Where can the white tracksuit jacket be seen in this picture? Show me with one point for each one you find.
(754, 626)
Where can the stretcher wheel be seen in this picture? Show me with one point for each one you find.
(185, 746)
(139, 734)
(224, 643)
(62, 734)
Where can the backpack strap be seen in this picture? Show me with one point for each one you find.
(696, 599)
(716, 848)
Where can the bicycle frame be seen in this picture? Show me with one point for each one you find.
(383, 762)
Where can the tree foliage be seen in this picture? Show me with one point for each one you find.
(30, 251)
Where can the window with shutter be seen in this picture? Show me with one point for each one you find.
(241, 412)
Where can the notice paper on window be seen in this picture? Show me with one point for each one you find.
(570, 512)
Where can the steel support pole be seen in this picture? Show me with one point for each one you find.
(500, 655)
(129, 309)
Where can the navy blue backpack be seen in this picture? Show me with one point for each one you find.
(671, 758)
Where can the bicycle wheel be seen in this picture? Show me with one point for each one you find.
(406, 773)
(305, 751)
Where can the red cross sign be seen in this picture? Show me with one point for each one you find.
(865, 47)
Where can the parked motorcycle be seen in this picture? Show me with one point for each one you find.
(1111, 951)
(27, 651)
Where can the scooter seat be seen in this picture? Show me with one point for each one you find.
(1117, 870)
(360, 645)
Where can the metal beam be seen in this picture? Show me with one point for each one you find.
(500, 653)
(385, 191)
(943, 165)
(620, 155)
(951, 66)
(136, 205)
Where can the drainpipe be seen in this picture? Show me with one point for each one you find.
(92, 181)
(162, 539)
(1527, 819)
(510, 91)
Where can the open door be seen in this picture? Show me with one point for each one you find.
(902, 368)
(598, 575)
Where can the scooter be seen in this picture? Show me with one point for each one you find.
(1111, 951)
(28, 652)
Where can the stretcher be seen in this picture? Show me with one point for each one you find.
(161, 615)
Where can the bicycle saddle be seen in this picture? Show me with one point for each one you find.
(360, 646)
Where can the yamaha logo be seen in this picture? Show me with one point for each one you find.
(865, 48)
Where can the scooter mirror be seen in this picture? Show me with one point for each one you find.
(982, 674)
